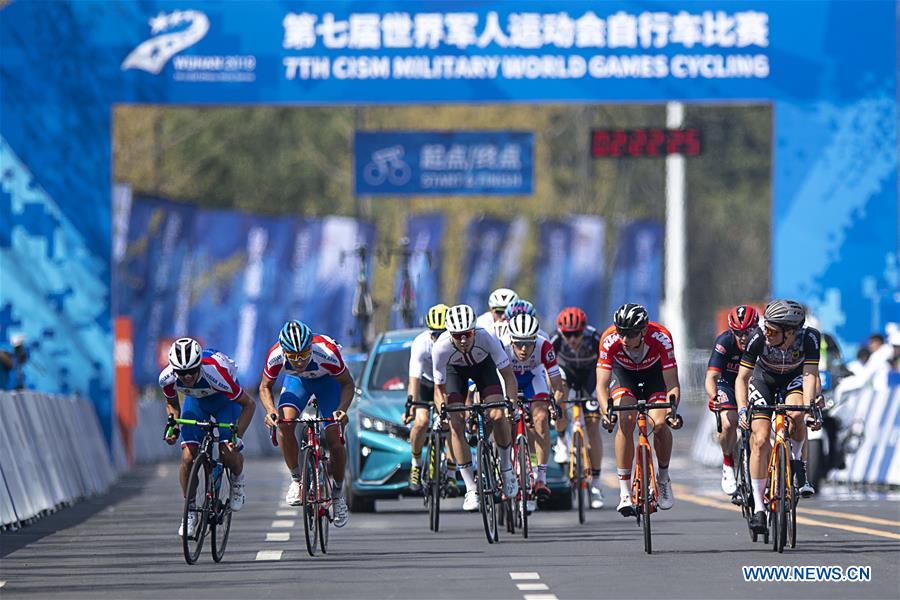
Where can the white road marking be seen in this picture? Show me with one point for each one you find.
(282, 524)
(530, 575)
(278, 536)
(532, 587)
(541, 597)
(2, 583)
(286, 513)
(269, 555)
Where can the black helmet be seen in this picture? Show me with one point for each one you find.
(630, 317)
(786, 313)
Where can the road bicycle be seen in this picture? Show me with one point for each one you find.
(579, 459)
(405, 302)
(518, 507)
(644, 494)
(436, 481)
(363, 308)
(204, 499)
(488, 479)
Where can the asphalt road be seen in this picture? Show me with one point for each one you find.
(124, 545)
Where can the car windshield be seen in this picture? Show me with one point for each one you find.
(390, 368)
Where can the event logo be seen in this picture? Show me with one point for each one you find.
(153, 54)
(387, 164)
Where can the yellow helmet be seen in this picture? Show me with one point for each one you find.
(436, 318)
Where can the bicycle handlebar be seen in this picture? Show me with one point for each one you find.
(171, 426)
(474, 407)
(642, 406)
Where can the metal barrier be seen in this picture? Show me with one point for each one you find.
(52, 453)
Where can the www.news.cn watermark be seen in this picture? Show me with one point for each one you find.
(811, 573)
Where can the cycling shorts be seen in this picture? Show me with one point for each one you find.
(484, 374)
(647, 384)
(296, 392)
(580, 379)
(725, 395)
(534, 387)
(765, 387)
(201, 409)
(426, 391)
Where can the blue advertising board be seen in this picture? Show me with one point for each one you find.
(443, 162)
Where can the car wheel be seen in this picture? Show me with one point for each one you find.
(559, 501)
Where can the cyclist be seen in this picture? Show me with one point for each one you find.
(783, 356)
(497, 303)
(421, 386)
(466, 352)
(313, 365)
(576, 344)
(208, 381)
(635, 350)
(533, 361)
(520, 307)
(721, 372)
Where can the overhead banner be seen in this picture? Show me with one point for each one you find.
(570, 267)
(443, 163)
(485, 242)
(637, 267)
(425, 234)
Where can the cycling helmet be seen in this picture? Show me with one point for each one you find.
(786, 313)
(519, 307)
(743, 317)
(436, 318)
(501, 297)
(631, 317)
(460, 318)
(185, 354)
(523, 328)
(295, 336)
(571, 320)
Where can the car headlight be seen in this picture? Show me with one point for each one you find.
(377, 424)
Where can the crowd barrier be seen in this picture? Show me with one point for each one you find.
(52, 453)
(876, 462)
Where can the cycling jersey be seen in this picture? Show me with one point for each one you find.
(726, 357)
(803, 351)
(578, 366)
(218, 379)
(657, 350)
(485, 345)
(420, 363)
(541, 361)
(485, 320)
(326, 361)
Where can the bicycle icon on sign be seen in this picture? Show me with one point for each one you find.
(387, 165)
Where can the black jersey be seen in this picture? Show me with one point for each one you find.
(725, 357)
(584, 357)
(804, 351)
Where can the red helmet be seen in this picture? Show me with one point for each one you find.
(743, 317)
(571, 320)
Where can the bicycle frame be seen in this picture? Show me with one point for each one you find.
(578, 429)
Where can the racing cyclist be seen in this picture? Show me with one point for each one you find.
(533, 361)
(209, 384)
(721, 372)
(421, 386)
(783, 356)
(466, 352)
(313, 365)
(520, 307)
(576, 344)
(497, 303)
(634, 351)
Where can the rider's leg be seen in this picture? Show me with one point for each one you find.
(662, 441)
(287, 440)
(760, 449)
(337, 456)
(460, 446)
(798, 425)
(540, 415)
(502, 436)
(188, 454)
(417, 434)
(595, 441)
(625, 442)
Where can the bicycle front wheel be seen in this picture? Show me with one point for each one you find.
(780, 537)
(524, 467)
(325, 513)
(486, 487)
(436, 473)
(578, 481)
(645, 497)
(221, 516)
(196, 509)
(310, 493)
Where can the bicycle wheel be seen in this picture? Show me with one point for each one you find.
(221, 522)
(645, 497)
(486, 487)
(310, 493)
(578, 482)
(524, 468)
(439, 474)
(196, 503)
(780, 514)
(325, 513)
(792, 517)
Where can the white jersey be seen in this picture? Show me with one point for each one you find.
(541, 360)
(420, 363)
(218, 375)
(485, 320)
(445, 353)
(326, 361)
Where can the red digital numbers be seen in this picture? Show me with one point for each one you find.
(652, 141)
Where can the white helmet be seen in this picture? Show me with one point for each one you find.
(185, 354)
(501, 297)
(523, 328)
(460, 318)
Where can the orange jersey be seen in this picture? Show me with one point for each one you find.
(657, 349)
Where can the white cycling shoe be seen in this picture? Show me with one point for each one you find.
(560, 452)
(470, 504)
(193, 522)
(530, 506)
(597, 497)
(625, 508)
(666, 498)
(237, 495)
(510, 484)
(294, 496)
(341, 513)
(729, 485)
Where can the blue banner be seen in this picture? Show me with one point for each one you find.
(485, 241)
(425, 233)
(443, 163)
(637, 267)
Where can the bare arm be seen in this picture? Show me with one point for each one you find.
(248, 406)
(712, 377)
(742, 385)
(512, 386)
(670, 377)
(811, 383)
(265, 396)
(348, 389)
(603, 377)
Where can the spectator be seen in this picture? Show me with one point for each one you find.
(12, 364)
(857, 365)
(876, 341)
(878, 367)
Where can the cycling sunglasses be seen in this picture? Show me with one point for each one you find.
(524, 343)
(629, 333)
(296, 357)
(498, 311)
(462, 335)
(181, 374)
(772, 331)
(742, 333)
(571, 334)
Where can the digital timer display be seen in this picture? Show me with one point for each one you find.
(652, 141)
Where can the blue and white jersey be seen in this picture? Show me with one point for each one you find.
(218, 376)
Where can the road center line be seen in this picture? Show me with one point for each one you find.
(269, 555)
(541, 597)
(282, 524)
(2, 583)
(532, 587)
(528, 575)
(286, 513)
(846, 516)
(278, 536)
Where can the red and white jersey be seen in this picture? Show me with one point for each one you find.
(542, 358)
(657, 349)
(326, 361)
(218, 375)
(444, 353)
